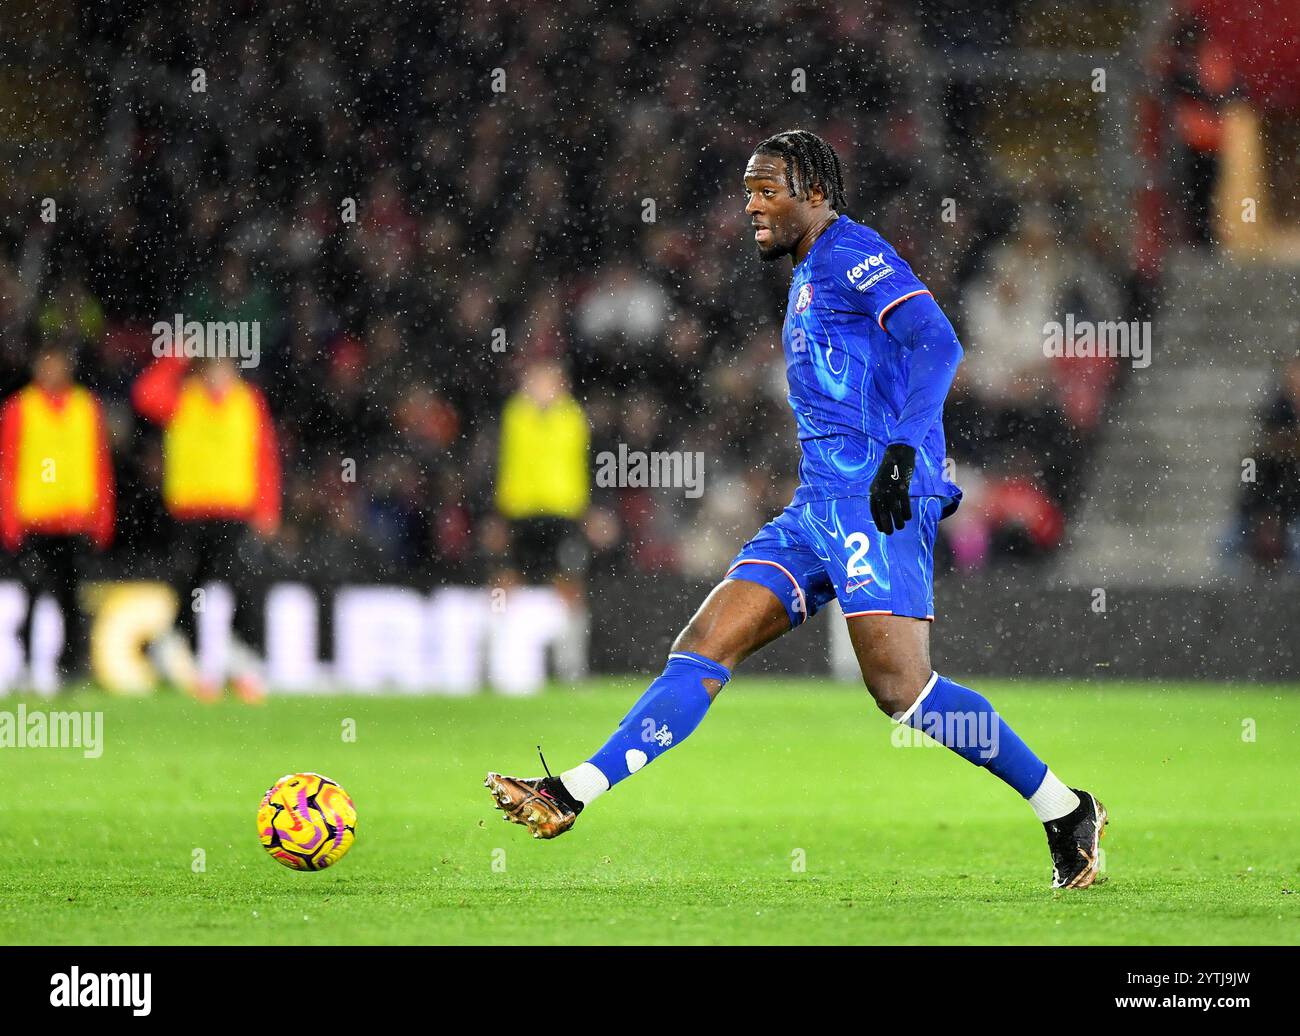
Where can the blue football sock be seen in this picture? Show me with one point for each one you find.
(664, 716)
(963, 720)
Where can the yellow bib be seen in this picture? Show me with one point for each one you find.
(542, 469)
(57, 457)
(210, 450)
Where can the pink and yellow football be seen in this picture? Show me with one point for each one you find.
(307, 822)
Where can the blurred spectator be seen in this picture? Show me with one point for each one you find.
(1009, 513)
(1199, 80)
(1006, 310)
(56, 495)
(1033, 416)
(1270, 505)
(221, 478)
(72, 316)
(543, 473)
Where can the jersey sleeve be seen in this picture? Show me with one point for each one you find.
(871, 278)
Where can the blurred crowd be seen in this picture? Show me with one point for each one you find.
(418, 204)
(1268, 526)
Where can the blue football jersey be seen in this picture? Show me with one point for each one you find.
(847, 376)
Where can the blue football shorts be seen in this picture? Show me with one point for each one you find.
(814, 551)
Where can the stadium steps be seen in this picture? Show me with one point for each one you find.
(1167, 471)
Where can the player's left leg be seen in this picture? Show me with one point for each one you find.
(885, 586)
(893, 653)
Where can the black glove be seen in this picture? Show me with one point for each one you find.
(890, 507)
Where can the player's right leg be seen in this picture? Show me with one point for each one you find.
(736, 619)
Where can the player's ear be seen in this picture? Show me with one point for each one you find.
(816, 194)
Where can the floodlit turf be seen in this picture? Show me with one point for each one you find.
(897, 845)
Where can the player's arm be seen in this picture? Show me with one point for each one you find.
(918, 325)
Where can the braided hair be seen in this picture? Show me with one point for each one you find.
(808, 160)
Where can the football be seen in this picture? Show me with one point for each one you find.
(307, 822)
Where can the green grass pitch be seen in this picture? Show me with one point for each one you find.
(789, 817)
